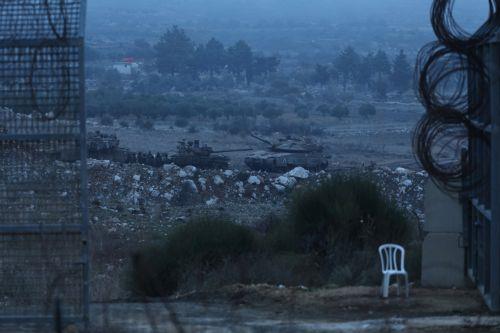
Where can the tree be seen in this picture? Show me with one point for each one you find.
(265, 65)
(215, 56)
(175, 51)
(366, 110)
(380, 88)
(321, 74)
(240, 60)
(381, 64)
(365, 70)
(142, 49)
(198, 62)
(347, 64)
(401, 73)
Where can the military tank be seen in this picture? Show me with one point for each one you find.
(102, 146)
(286, 154)
(203, 157)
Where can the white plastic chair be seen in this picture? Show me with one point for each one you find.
(392, 258)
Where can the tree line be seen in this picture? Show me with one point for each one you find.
(374, 71)
(176, 54)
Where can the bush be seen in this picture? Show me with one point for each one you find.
(343, 221)
(106, 121)
(340, 111)
(124, 124)
(346, 213)
(366, 110)
(202, 244)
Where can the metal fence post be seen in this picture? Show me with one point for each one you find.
(494, 66)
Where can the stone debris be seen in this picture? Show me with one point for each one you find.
(218, 180)
(254, 180)
(286, 181)
(299, 172)
(132, 192)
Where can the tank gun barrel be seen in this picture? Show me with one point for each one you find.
(260, 139)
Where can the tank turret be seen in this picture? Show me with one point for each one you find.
(287, 153)
(201, 156)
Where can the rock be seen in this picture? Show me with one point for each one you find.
(190, 186)
(241, 187)
(286, 181)
(190, 170)
(170, 167)
(212, 201)
(228, 173)
(401, 171)
(203, 183)
(407, 182)
(218, 180)
(133, 197)
(422, 173)
(168, 196)
(117, 179)
(182, 174)
(279, 188)
(136, 178)
(254, 180)
(154, 192)
(299, 172)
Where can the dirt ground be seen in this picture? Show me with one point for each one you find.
(265, 308)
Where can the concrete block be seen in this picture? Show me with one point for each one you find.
(443, 261)
(443, 212)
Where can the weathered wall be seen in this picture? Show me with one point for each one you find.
(442, 254)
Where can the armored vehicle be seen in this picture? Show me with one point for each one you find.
(102, 146)
(286, 154)
(203, 157)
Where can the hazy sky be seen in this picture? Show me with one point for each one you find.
(467, 11)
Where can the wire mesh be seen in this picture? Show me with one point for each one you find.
(43, 251)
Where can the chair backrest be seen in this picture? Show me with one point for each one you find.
(392, 257)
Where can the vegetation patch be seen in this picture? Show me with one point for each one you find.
(330, 235)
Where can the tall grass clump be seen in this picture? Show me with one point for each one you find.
(205, 243)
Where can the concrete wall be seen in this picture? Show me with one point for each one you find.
(442, 254)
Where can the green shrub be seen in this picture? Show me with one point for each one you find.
(343, 221)
(200, 245)
(346, 213)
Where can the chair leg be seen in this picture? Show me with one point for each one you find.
(397, 282)
(387, 279)
(407, 286)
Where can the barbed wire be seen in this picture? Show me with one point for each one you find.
(452, 84)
